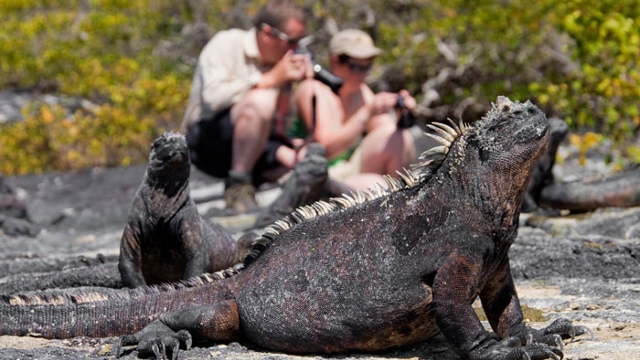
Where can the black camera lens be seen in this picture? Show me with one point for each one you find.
(323, 75)
(405, 118)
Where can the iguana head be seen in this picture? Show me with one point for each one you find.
(510, 139)
(169, 162)
(494, 159)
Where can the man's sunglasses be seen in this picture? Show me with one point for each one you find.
(356, 68)
(281, 35)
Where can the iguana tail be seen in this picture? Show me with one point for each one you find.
(102, 312)
(103, 275)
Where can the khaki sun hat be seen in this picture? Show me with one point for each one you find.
(354, 43)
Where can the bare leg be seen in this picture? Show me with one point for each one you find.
(252, 122)
(252, 117)
(364, 181)
(386, 150)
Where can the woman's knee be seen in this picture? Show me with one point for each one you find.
(387, 150)
(384, 139)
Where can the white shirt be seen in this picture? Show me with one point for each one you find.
(228, 67)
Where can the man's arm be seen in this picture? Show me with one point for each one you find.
(222, 85)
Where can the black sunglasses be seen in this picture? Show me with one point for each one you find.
(356, 68)
(281, 35)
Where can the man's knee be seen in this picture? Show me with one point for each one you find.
(257, 104)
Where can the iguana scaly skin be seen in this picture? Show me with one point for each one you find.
(165, 238)
(366, 272)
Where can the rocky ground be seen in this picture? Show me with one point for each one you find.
(585, 267)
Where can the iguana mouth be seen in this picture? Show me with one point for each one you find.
(534, 128)
(170, 148)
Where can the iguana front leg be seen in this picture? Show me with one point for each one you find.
(502, 307)
(130, 258)
(190, 237)
(163, 337)
(455, 285)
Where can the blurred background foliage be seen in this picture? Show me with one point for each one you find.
(131, 63)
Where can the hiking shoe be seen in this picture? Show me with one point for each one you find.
(241, 197)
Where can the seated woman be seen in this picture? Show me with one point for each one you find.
(356, 126)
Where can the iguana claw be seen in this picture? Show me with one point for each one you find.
(157, 339)
(531, 344)
(534, 352)
(505, 350)
(566, 329)
(581, 330)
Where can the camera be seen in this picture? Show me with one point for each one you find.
(321, 74)
(405, 117)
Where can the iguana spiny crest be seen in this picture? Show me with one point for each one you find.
(445, 134)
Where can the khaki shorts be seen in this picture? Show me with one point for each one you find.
(347, 168)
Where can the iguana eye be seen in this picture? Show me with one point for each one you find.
(498, 126)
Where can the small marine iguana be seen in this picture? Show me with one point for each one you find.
(306, 185)
(366, 272)
(165, 238)
(308, 182)
(620, 189)
(543, 172)
(22, 263)
(98, 274)
(14, 218)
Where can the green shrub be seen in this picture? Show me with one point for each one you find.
(104, 53)
(135, 59)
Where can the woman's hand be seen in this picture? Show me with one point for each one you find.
(409, 101)
(383, 103)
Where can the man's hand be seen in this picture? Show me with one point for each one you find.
(291, 68)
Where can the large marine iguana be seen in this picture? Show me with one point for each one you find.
(367, 272)
(165, 238)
